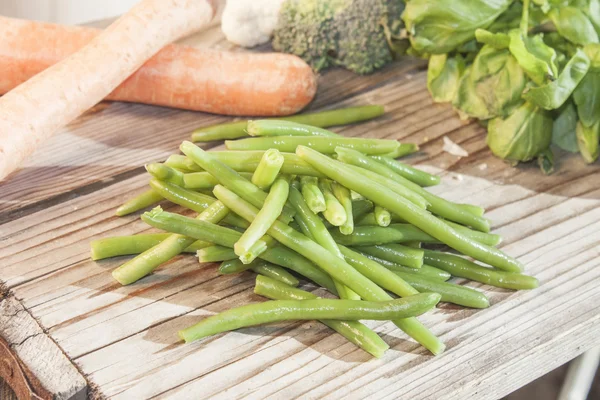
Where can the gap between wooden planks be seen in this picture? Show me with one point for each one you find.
(124, 339)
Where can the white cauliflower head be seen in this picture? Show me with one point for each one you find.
(249, 23)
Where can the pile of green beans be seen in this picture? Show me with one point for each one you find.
(296, 203)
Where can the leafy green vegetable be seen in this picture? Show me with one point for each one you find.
(587, 98)
(546, 161)
(496, 40)
(440, 26)
(553, 95)
(591, 8)
(443, 76)
(499, 80)
(522, 136)
(563, 130)
(587, 139)
(535, 57)
(573, 25)
(467, 102)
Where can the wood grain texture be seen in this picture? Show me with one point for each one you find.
(124, 338)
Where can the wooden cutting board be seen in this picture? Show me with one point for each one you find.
(121, 342)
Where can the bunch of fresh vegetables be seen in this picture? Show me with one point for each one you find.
(298, 200)
(530, 71)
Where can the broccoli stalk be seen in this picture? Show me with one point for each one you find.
(354, 34)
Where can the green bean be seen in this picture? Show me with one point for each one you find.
(312, 194)
(463, 268)
(437, 205)
(149, 260)
(321, 144)
(378, 273)
(271, 209)
(343, 196)
(146, 199)
(354, 331)
(334, 212)
(314, 229)
(376, 235)
(247, 161)
(323, 119)
(165, 173)
(182, 163)
(284, 310)
(489, 239)
(422, 219)
(134, 244)
(268, 169)
(192, 200)
(278, 127)
(450, 292)
(382, 216)
(403, 150)
(475, 210)
(275, 272)
(414, 244)
(425, 270)
(215, 254)
(417, 176)
(204, 180)
(291, 260)
(361, 207)
(402, 190)
(235, 266)
(396, 253)
(230, 178)
(333, 265)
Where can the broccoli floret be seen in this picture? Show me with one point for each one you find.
(346, 33)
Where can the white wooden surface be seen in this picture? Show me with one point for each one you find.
(124, 339)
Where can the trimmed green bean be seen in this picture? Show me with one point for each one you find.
(403, 150)
(284, 310)
(425, 270)
(278, 127)
(247, 161)
(333, 265)
(141, 201)
(275, 272)
(396, 253)
(415, 175)
(323, 119)
(422, 219)
(398, 188)
(354, 331)
(475, 210)
(321, 144)
(165, 173)
(149, 260)
(378, 273)
(176, 194)
(437, 205)
(464, 268)
(268, 169)
(450, 292)
(375, 235)
(314, 229)
(343, 196)
(204, 180)
(133, 244)
(235, 266)
(230, 178)
(215, 254)
(382, 216)
(270, 211)
(312, 194)
(334, 212)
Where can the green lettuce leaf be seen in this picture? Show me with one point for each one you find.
(574, 25)
(522, 136)
(587, 140)
(537, 59)
(496, 40)
(563, 129)
(467, 102)
(554, 94)
(587, 98)
(440, 26)
(443, 76)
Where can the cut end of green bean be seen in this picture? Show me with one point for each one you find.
(139, 202)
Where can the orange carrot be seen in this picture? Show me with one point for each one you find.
(34, 110)
(249, 84)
